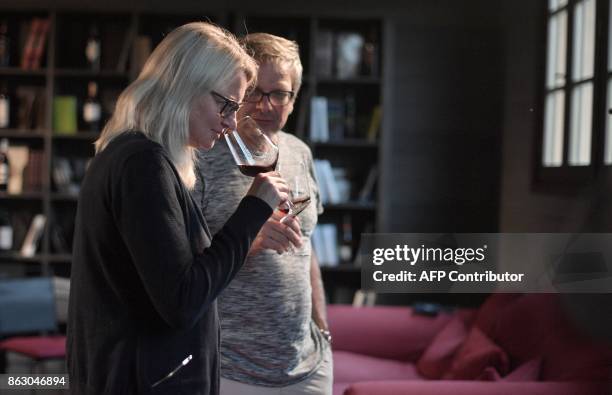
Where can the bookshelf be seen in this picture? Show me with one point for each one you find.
(125, 39)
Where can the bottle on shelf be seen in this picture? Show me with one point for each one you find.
(6, 231)
(92, 48)
(5, 107)
(92, 109)
(4, 165)
(5, 44)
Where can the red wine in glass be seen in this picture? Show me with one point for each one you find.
(299, 205)
(251, 149)
(253, 170)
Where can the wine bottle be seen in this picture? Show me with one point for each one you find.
(92, 48)
(6, 231)
(4, 165)
(5, 44)
(92, 110)
(5, 107)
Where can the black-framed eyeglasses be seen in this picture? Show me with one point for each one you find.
(229, 106)
(276, 98)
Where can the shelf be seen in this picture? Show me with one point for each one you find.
(341, 268)
(77, 136)
(21, 196)
(84, 73)
(346, 143)
(59, 258)
(64, 197)
(14, 256)
(18, 71)
(354, 81)
(350, 206)
(23, 133)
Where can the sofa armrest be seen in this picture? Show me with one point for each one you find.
(451, 387)
(383, 331)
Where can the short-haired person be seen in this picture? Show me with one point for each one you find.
(274, 330)
(146, 271)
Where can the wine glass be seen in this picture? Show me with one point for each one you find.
(299, 191)
(251, 149)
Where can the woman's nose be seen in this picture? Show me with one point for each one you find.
(229, 122)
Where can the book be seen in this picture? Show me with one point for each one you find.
(366, 194)
(330, 244)
(319, 125)
(324, 53)
(32, 178)
(336, 118)
(30, 107)
(39, 43)
(330, 182)
(27, 50)
(30, 243)
(317, 245)
(125, 49)
(350, 115)
(141, 49)
(323, 192)
(375, 121)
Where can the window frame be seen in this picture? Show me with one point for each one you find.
(569, 178)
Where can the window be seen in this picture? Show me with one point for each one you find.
(576, 101)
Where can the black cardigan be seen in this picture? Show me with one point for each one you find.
(145, 276)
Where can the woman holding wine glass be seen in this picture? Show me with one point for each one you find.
(146, 270)
(275, 337)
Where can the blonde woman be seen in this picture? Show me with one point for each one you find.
(146, 271)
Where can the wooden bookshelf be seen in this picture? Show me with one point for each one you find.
(64, 71)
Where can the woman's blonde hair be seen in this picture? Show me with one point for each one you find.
(266, 47)
(190, 61)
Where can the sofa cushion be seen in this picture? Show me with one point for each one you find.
(350, 367)
(339, 388)
(383, 331)
(438, 356)
(476, 354)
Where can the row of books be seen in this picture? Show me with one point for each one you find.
(335, 119)
(335, 186)
(31, 107)
(34, 43)
(24, 232)
(325, 244)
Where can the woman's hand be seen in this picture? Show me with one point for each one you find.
(278, 236)
(270, 187)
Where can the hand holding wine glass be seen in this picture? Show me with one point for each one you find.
(271, 188)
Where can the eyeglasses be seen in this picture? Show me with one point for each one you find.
(276, 98)
(229, 106)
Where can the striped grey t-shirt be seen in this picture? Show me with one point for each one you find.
(268, 336)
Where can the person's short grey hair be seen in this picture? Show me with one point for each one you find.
(190, 61)
(266, 47)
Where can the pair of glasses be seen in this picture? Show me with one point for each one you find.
(229, 106)
(276, 98)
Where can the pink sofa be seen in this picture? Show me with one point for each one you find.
(513, 344)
